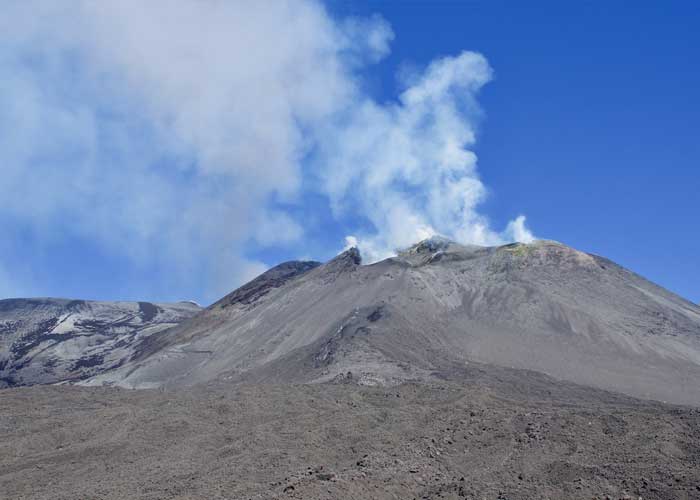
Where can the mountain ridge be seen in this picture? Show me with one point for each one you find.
(55, 340)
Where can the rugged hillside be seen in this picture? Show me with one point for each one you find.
(427, 313)
(472, 333)
(54, 340)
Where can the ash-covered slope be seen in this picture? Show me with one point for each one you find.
(429, 311)
(48, 340)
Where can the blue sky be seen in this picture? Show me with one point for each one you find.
(591, 122)
(137, 176)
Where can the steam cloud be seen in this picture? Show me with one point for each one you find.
(408, 168)
(173, 131)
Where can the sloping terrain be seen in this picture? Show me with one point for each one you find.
(499, 434)
(47, 340)
(447, 372)
(424, 314)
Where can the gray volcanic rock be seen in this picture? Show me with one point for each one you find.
(500, 434)
(48, 340)
(432, 310)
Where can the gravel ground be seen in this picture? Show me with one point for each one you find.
(499, 434)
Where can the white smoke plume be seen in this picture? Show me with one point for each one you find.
(176, 132)
(408, 168)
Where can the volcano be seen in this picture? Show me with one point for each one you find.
(431, 313)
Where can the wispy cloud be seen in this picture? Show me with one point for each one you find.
(173, 131)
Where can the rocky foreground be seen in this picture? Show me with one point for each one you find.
(499, 434)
